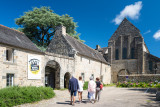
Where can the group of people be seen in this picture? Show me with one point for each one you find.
(94, 89)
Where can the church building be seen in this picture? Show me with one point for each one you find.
(128, 54)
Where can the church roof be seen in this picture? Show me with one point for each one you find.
(85, 50)
(125, 28)
(16, 38)
(155, 58)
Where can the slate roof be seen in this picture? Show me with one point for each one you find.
(125, 28)
(16, 38)
(84, 49)
(157, 59)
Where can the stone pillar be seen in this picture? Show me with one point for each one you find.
(143, 56)
(58, 78)
(129, 48)
(113, 51)
(121, 49)
(140, 55)
(109, 54)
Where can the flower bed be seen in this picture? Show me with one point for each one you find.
(155, 84)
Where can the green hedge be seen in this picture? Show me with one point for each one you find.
(109, 85)
(85, 87)
(13, 96)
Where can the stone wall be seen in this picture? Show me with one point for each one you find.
(66, 65)
(119, 65)
(155, 62)
(89, 66)
(19, 67)
(140, 78)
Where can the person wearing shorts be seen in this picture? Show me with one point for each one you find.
(80, 90)
(73, 87)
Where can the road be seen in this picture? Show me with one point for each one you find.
(110, 97)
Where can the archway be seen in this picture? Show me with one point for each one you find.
(66, 79)
(52, 74)
(123, 72)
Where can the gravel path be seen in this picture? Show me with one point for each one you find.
(110, 97)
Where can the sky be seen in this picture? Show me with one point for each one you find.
(97, 19)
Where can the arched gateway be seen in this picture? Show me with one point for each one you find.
(66, 79)
(52, 74)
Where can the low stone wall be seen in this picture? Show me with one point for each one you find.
(139, 77)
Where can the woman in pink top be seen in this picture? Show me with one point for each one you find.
(91, 89)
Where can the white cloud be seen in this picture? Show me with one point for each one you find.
(157, 35)
(132, 11)
(148, 31)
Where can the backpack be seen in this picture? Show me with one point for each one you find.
(101, 86)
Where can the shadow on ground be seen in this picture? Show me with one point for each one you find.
(68, 102)
(151, 102)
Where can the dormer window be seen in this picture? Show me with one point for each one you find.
(9, 55)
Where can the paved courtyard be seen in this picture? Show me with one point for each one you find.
(110, 97)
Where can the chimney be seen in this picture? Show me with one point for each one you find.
(98, 47)
(60, 30)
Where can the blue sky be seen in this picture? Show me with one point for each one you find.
(96, 18)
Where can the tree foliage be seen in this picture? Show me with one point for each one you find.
(40, 25)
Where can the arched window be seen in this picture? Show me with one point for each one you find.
(150, 65)
(132, 53)
(124, 53)
(117, 54)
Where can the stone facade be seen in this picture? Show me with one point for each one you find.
(58, 63)
(128, 53)
(18, 67)
(91, 67)
(66, 64)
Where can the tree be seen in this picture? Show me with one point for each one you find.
(40, 24)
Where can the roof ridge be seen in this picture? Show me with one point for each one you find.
(82, 43)
(12, 29)
(129, 22)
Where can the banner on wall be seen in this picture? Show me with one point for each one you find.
(34, 67)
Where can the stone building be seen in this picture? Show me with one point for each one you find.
(23, 64)
(84, 61)
(128, 54)
(14, 50)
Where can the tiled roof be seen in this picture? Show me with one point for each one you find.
(16, 38)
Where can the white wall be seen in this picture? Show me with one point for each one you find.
(89, 66)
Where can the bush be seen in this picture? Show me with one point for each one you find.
(85, 87)
(139, 84)
(13, 96)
